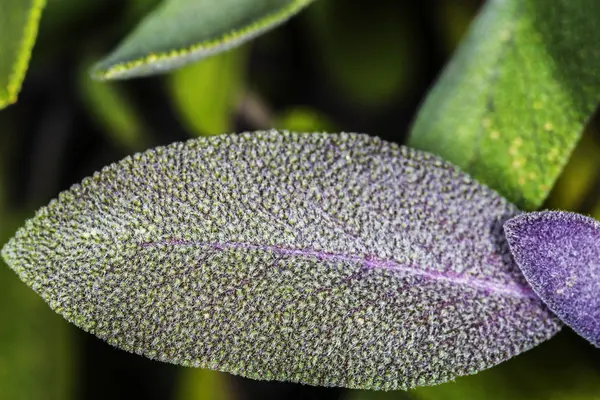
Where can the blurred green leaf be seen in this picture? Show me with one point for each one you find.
(204, 384)
(368, 52)
(512, 104)
(373, 395)
(577, 178)
(453, 18)
(556, 370)
(19, 20)
(35, 357)
(113, 110)
(181, 31)
(206, 94)
(303, 119)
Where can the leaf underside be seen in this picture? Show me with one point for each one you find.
(19, 20)
(182, 31)
(512, 104)
(559, 254)
(333, 260)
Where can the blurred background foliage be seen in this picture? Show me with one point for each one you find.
(338, 66)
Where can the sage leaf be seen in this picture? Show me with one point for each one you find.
(333, 260)
(19, 20)
(559, 254)
(512, 104)
(178, 32)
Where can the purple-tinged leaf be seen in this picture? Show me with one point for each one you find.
(336, 260)
(559, 254)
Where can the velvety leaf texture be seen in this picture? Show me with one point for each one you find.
(559, 254)
(512, 104)
(334, 260)
(182, 31)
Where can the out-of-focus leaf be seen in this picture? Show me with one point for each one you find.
(35, 358)
(577, 178)
(512, 104)
(334, 260)
(453, 18)
(113, 110)
(181, 31)
(204, 384)
(559, 254)
(207, 93)
(557, 370)
(372, 395)
(368, 52)
(303, 119)
(19, 20)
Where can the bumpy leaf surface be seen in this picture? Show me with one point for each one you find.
(559, 254)
(19, 20)
(182, 31)
(511, 105)
(323, 259)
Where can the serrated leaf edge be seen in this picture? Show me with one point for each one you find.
(197, 51)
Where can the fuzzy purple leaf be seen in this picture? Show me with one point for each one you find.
(335, 260)
(559, 254)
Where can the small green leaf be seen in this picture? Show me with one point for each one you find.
(113, 110)
(19, 20)
(512, 104)
(204, 384)
(303, 119)
(207, 93)
(181, 31)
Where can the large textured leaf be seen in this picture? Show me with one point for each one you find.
(512, 104)
(182, 31)
(559, 254)
(323, 259)
(19, 21)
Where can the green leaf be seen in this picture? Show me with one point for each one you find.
(182, 31)
(110, 105)
(207, 93)
(512, 104)
(19, 20)
(303, 119)
(578, 177)
(204, 384)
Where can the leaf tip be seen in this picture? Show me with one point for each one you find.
(559, 255)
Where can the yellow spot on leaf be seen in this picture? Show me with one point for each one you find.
(517, 163)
